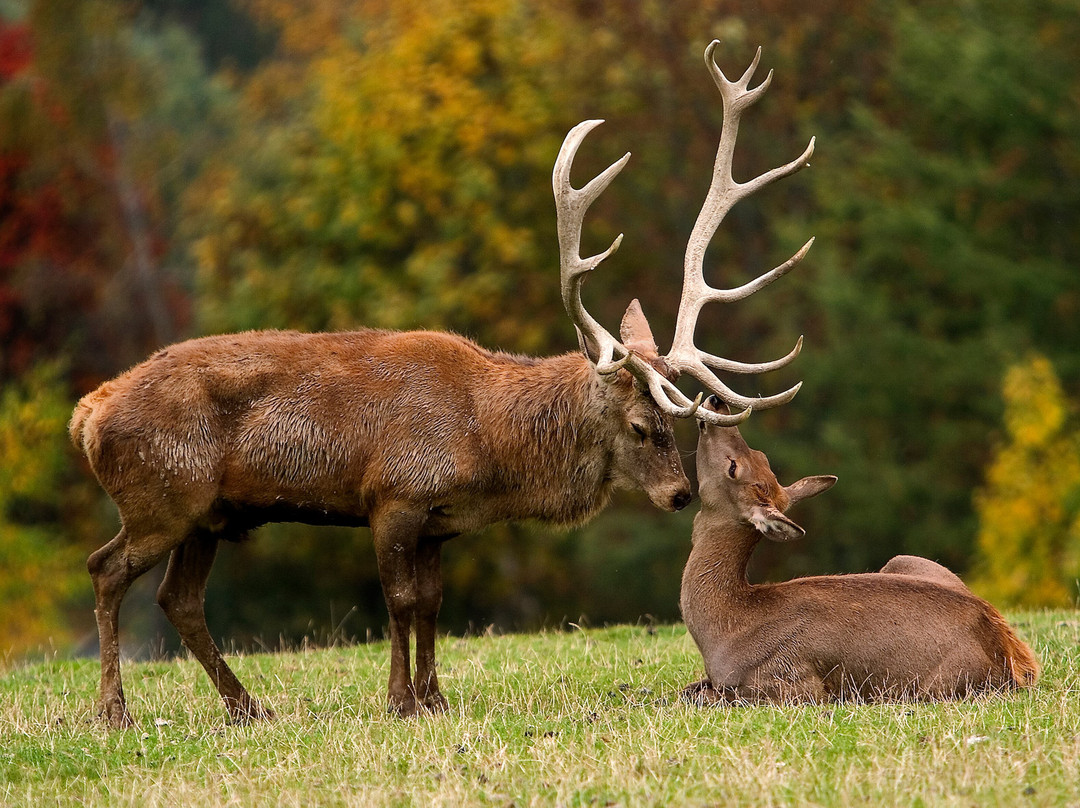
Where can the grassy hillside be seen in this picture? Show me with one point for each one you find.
(588, 717)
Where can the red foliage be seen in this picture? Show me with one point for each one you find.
(63, 235)
(16, 50)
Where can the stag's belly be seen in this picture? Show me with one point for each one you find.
(454, 498)
(231, 520)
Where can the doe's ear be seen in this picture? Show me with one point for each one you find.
(635, 332)
(809, 487)
(774, 525)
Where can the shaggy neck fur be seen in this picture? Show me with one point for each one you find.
(549, 431)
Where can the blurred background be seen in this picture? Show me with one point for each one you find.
(172, 168)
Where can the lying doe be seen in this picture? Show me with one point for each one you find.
(419, 435)
(911, 631)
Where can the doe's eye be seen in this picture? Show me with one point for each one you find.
(734, 467)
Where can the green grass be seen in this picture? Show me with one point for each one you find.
(584, 718)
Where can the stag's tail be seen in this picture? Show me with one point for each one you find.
(83, 410)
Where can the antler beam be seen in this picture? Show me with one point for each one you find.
(571, 205)
(724, 192)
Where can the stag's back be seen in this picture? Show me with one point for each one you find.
(333, 422)
(177, 413)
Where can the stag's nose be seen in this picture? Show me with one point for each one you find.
(681, 500)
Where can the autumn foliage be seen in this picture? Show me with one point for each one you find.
(388, 164)
(1029, 508)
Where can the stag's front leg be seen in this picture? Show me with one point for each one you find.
(429, 599)
(396, 531)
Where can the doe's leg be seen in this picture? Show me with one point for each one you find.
(182, 597)
(919, 567)
(701, 693)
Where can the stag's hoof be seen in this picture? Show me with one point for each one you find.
(247, 711)
(401, 706)
(115, 715)
(435, 702)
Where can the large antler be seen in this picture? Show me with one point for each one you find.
(724, 192)
(570, 205)
(611, 355)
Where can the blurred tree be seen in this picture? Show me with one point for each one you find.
(227, 34)
(105, 122)
(401, 194)
(39, 573)
(1029, 507)
(942, 197)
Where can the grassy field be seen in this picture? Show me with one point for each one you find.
(582, 718)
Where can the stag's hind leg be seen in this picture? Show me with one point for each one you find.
(429, 598)
(112, 569)
(182, 596)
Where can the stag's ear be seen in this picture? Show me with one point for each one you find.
(809, 487)
(635, 332)
(772, 524)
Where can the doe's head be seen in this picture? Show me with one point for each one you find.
(737, 481)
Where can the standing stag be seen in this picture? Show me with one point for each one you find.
(912, 630)
(418, 435)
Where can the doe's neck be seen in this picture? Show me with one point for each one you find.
(721, 553)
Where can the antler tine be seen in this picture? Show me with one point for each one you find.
(730, 365)
(760, 282)
(611, 355)
(709, 294)
(735, 93)
(724, 192)
(698, 371)
(571, 204)
(671, 399)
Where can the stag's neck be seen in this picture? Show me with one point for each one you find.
(550, 435)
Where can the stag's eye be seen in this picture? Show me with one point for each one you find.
(640, 432)
(734, 467)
